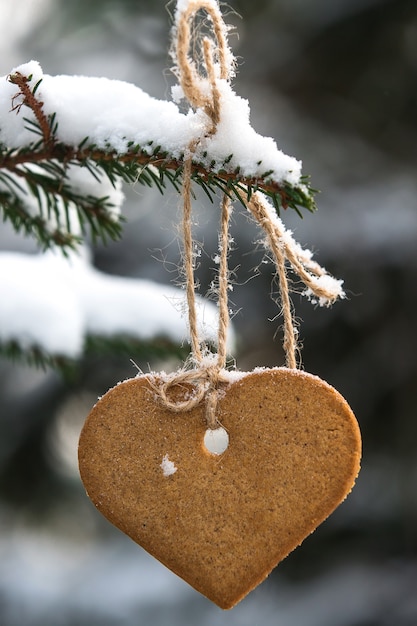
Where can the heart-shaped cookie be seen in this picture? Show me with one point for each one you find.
(221, 522)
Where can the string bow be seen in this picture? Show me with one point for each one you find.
(200, 81)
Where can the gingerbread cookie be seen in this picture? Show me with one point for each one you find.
(223, 521)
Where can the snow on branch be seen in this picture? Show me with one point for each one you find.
(67, 143)
(53, 125)
(52, 309)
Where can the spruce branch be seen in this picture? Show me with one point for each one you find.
(139, 165)
(43, 165)
(16, 212)
(60, 176)
(37, 174)
(36, 356)
(118, 345)
(156, 168)
(42, 206)
(29, 99)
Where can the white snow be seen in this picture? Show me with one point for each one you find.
(252, 153)
(36, 306)
(54, 302)
(329, 284)
(168, 467)
(233, 376)
(112, 113)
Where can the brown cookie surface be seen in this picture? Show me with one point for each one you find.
(221, 522)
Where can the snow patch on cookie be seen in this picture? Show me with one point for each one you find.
(167, 466)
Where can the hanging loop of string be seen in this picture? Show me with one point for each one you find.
(209, 372)
(205, 372)
(192, 83)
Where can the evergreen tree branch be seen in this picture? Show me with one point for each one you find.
(136, 163)
(118, 345)
(16, 212)
(29, 99)
(43, 184)
(44, 164)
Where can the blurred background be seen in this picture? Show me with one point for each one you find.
(335, 83)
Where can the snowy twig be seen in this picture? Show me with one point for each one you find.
(130, 138)
(30, 100)
(67, 143)
(284, 195)
(54, 310)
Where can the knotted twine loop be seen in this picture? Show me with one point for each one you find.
(194, 85)
(204, 371)
(207, 370)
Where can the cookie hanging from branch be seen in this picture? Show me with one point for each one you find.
(218, 473)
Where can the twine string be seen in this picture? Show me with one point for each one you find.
(203, 371)
(189, 78)
(289, 341)
(205, 375)
(223, 300)
(257, 208)
(307, 270)
(188, 263)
